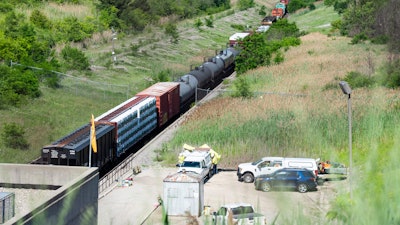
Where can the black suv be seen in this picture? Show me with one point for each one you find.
(299, 179)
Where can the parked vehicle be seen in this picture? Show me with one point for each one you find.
(332, 168)
(299, 179)
(248, 171)
(238, 213)
(198, 162)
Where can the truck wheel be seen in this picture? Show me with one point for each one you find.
(248, 178)
(266, 187)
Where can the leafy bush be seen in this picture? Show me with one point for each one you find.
(40, 20)
(359, 38)
(279, 57)
(209, 21)
(392, 77)
(255, 53)
(70, 29)
(6, 7)
(74, 59)
(295, 5)
(172, 31)
(198, 23)
(17, 85)
(13, 136)
(358, 80)
(281, 29)
(245, 4)
(242, 88)
(262, 10)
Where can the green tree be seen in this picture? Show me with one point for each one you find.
(242, 88)
(40, 20)
(245, 4)
(13, 136)
(17, 85)
(198, 23)
(254, 53)
(74, 59)
(209, 21)
(172, 31)
(262, 10)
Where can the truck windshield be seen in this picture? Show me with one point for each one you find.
(242, 210)
(191, 164)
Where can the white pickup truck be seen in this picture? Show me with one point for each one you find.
(198, 162)
(238, 213)
(247, 172)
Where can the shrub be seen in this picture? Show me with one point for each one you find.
(13, 136)
(242, 88)
(392, 77)
(359, 38)
(295, 5)
(172, 31)
(279, 57)
(40, 20)
(245, 4)
(209, 21)
(358, 80)
(74, 58)
(198, 24)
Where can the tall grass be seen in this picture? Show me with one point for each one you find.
(298, 116)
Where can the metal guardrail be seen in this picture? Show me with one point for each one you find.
(115, 175)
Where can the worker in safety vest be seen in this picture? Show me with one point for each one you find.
(215, 160)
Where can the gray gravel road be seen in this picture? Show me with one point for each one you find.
(137, 204)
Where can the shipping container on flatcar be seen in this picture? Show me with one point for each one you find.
(167, 98)
(73, 149)
(133, 120)
(236, 38)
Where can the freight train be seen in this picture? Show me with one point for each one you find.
(278, 12)
(128, 123)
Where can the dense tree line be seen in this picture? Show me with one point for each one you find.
(136, 14)
(30, 39)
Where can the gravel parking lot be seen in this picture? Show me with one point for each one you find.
(137, 204)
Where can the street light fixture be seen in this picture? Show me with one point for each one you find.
(347, 91)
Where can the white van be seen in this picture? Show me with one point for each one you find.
(248, 171)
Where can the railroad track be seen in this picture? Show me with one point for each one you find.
(146, 155)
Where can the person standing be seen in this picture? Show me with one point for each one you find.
(215, 157)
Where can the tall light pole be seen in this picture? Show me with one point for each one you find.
(347, 91)
(114, 37)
